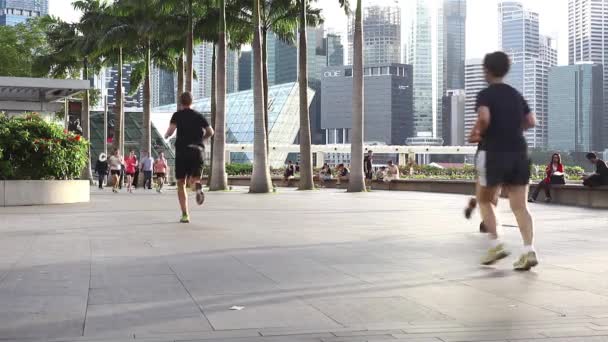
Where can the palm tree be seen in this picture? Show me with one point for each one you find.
(356, 183)
(218, 174)
(260, 179)
(306, 173)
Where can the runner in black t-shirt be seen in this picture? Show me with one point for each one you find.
(503, 115)
(192, 129)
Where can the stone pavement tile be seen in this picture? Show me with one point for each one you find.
(60, 280)
(262, 312)
(130, 266)
(157, 288)
(359, 338)
(572, 332)
(477, 336)
(144, 318)
(353, 311)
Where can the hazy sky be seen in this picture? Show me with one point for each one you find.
(482, 19)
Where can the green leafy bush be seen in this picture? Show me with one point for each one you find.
(31, 148)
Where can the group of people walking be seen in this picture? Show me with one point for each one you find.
(120, 169)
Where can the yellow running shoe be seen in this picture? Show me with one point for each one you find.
(526, 262)
(495, 254)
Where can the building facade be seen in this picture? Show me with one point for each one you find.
(388, 104)
(203, 62)
(588, 41)
(381, 34)
(245, 70)
(13, 12)
(163, 86)
(334, 50)
(576, 107)
(455, 15)
(108, 80)
(474, 82)
(453, 117)
(532, 55)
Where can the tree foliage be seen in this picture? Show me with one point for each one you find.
(21, 45)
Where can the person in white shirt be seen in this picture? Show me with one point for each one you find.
(115, 161)
(147, 166)
(392, 172)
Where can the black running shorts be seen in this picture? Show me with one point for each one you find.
(503, 168)
(160, 175)
(115, 172)
(189, 162)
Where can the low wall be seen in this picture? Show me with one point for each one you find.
(569, 194)
(43, 192)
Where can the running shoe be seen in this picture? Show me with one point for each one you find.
(185, 219)
(526, 262)
(468, 211)
(200, 196)
(495, 254)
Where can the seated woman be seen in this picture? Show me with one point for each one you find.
(325, 173)
(555, 175)
(381, 174)
(392, 172)
(343, 173)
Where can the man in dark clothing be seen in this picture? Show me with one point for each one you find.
(290, 172)
(368, 165)
(192, 129)
(102, 169)
(503, 115)
(600, 177)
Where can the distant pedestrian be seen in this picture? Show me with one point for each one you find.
(130, 169)
(160, 170)
(116, 164)
(554, 175)
(343, 173)
(600, 177)
(136, 174)
(368, 167)
(101, 167)
(392, 172)
(289, 173)
(147, 166)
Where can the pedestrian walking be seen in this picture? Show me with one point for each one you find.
(130, 169)
(136, 173)
(192, 130)
(116, 164)
(368, 167)
(503, 115)
(147, 167)
(160, 170)
(101, 167)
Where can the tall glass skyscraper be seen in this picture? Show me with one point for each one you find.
(334, 50)
(474, 82)
(588, 41)
(203, 59)
(532, 55)
(13, 12)
(455, 15)
(381, 33)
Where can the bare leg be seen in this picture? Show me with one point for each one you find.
(181, 196)
(486, 199)
(519, 206)
(129, 182)
(116, 182)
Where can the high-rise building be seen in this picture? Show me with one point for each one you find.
(455, 15)
(588, 40)
(109, 81)
(381, 34)
(532, 55)
(453, 117)
(245, 70)
(334, 50)
(163, 87)
(426, 53)
(283, 58)
(576, 107)
(13, 12)
(203, 61)
(474, 82)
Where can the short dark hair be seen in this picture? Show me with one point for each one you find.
(185, 99)
(497, 64)
(591, 155)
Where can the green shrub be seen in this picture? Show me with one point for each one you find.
(31, 148)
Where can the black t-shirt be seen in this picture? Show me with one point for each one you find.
(508, 108)
(601, 168)
(190, 125)
(367, 163)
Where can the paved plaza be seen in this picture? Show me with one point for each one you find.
(302, 266)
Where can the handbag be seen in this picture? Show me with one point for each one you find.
(558, 179)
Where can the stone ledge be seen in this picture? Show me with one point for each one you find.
(43, 192)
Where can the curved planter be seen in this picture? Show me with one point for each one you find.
(43, 192)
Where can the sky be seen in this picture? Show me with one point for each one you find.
(482, 21)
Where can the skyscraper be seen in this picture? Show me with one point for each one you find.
(588, 41)
(453, 117)
(455, 14)
(163, 87)
(474, 82)
(109, 81)
(531, 58)
(576, 107)
(245, 70)
(13, 12)
(334, 50)
(203, 59)
(426, 53)
(381, 34)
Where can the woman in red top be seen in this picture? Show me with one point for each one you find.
(555, 175)
(130, 168)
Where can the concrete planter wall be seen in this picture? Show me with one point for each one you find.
(43, 192)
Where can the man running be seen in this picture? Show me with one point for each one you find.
(192, 129)
(503, 115)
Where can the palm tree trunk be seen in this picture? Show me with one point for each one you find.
(146, 144)
(356, 183)
(213, 108)
(180, 79)
(119, 120)
(265, 79)
(86, 122)
(219, 180)
(189, 50)
(260, 179)
(306, 174)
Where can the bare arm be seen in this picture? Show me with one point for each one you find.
(208, 132)
(170, 131)
(482, 124)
